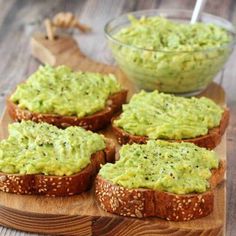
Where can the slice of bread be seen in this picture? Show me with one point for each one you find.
(93, 122)
(55, 186)
(209, 141)
(146, 202)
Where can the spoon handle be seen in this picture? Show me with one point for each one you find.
(197, 10)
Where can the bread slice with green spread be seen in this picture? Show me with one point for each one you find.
(38, 158)
(153, 115)
(174, 181)
(62, 97)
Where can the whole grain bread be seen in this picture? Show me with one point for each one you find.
(93, 122)
(209, 141)
(146, 202)
(56, 186)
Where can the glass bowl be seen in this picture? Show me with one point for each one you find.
(179, 72)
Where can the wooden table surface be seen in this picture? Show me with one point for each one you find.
(19, 19)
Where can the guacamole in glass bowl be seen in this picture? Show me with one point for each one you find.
(159, 49)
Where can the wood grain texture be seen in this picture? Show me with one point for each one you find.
(80, 215)
(19, 19)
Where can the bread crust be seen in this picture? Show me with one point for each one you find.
(146, 202)
(58, 186)
(209, 141)
(93, 122)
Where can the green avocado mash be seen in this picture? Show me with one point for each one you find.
(41, 148)
(65, 92)
(179, 168)
(169, 56)
(163, 116)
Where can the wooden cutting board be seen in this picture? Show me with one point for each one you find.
(80, 215)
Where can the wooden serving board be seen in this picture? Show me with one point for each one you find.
(80, 215)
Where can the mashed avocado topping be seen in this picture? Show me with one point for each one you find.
(65, 92)
(158, 33)
(178, 57)
(179, 168)
(164, 116)
(33, 148)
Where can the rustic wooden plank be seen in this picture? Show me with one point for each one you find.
(80, 215)
(231, 174)
(12, 232)
(5, 6)
(180, 4)
(216, 7)
(229, 84)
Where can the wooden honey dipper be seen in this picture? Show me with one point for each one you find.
(64, 20)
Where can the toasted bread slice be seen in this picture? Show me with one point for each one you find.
(56, 186)
(209, 141)
(146, 202)
(94, 122)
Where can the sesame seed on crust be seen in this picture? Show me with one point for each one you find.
(57, 185)
(145, 202)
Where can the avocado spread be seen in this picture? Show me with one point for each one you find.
(170, 56)
(159, 33)
(163, 116)
(40, 148)
(65, 92)
(179, 168)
